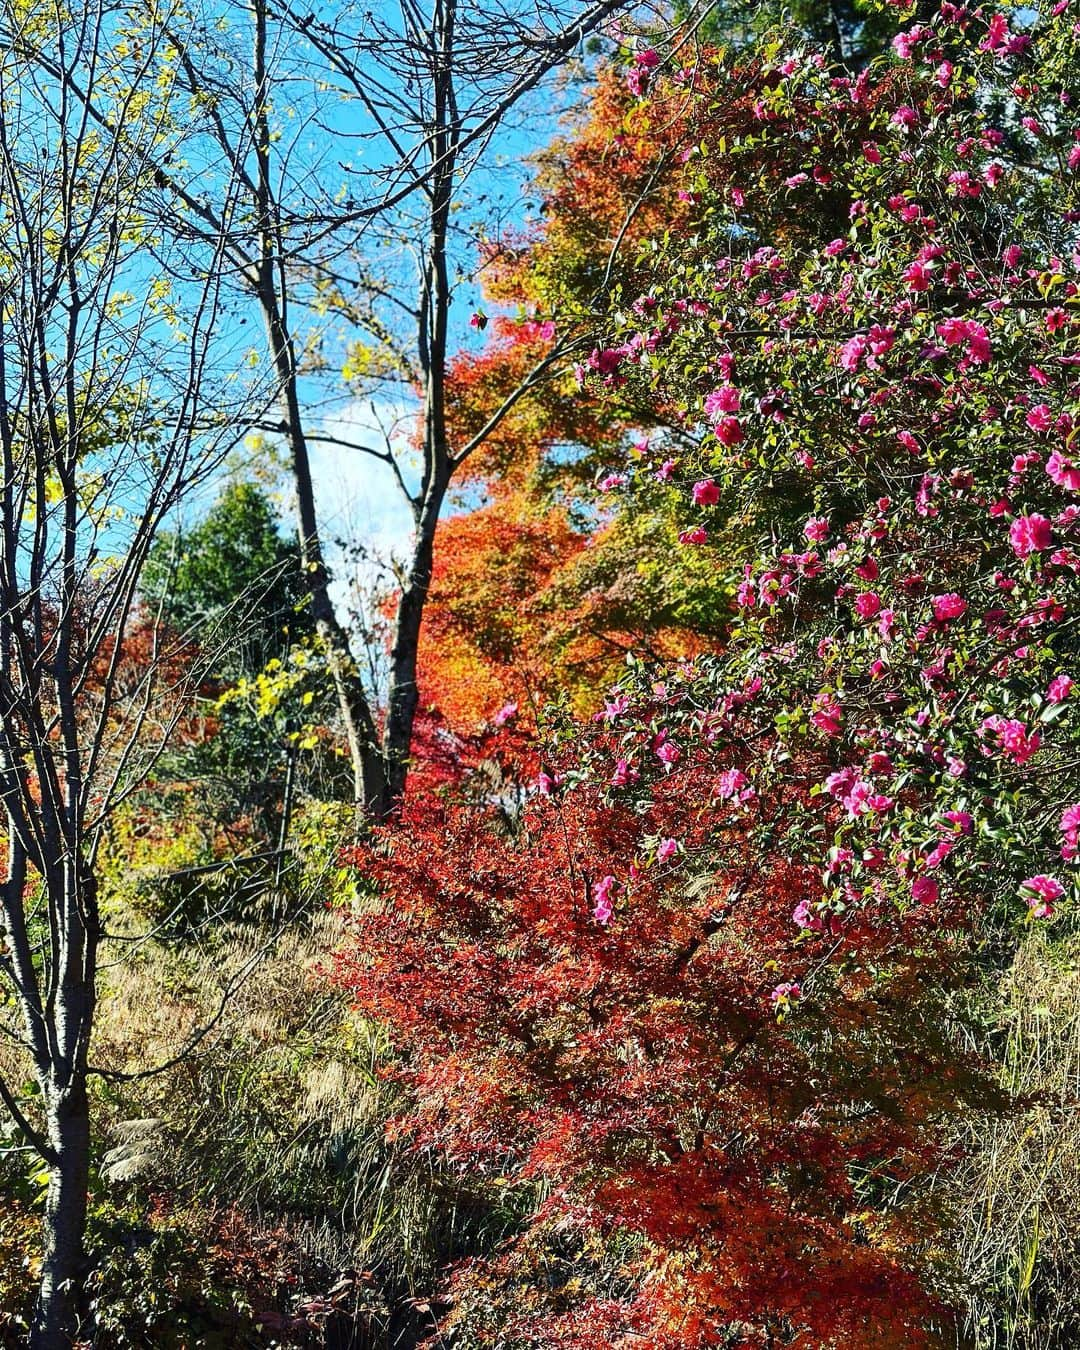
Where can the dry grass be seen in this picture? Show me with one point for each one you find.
(1016, 1194)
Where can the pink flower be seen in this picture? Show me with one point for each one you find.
(733, 783)
(949, 606)
(603, 911)
(1070, 830)
(545, 783)
(838, 784)
(924, 890)
(613, 709)
(786, 993)
(804, 917)
(478, 321)
(937, 855)
(826, 714)
(1013, 737)
(961, 821)
(867, 604)
(1040, 418)
(1061, 686)
(1064, 471)
(505, 714)
(1040, 892)
(728, 431)
(667, 848)
(706, 493)
(997, 34)
(852, 352)
(726, 399)
(637, 80)
(605, 361)
(625, 773)
(697, 535)
(904, 44)
(816, 529)
(667, 752)
(649, 59)
(919, 275)
(1030, 534)
(955, 331)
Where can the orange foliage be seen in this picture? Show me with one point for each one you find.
(481, 642)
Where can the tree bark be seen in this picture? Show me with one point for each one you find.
(404, 691)
(57, 1315)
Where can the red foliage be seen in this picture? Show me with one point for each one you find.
(699, 1170)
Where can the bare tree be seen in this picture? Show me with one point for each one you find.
(104, 373)
(414, 102)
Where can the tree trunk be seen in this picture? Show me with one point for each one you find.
(57, 1315)
(404, 691)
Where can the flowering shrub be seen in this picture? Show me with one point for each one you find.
(688, 1001)
(888, 394)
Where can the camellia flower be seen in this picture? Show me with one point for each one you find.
(720, 401)
(955, 331)
(505, 714)
(733, 783)
(997, 34)
(1040, 892)
(667, 848)
(728, 431)
(667, 752)
(1060, 688)
(1013, 737)
(1040, 418)
(867, 604)
(924, 890)
(786, 993)
(1030, 534)
(816, 529)
(950, 606)
(1070, 830)
(625, 773)
(1064, 471)
(826, 714)
(603, 910)
(706, 493)
(804, 917)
